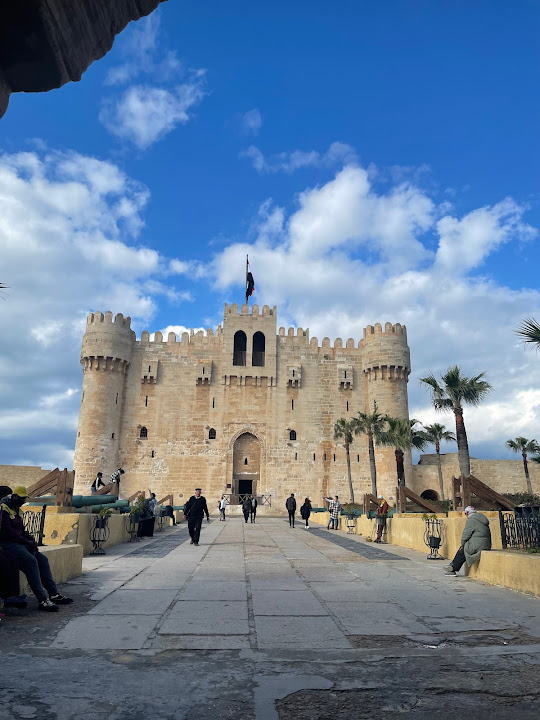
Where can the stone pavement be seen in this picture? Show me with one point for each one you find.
(262, 621)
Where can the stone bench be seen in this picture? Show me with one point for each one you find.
(65, 562)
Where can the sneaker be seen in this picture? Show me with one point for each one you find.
(61, 599)
(196, 544)
(449, 570)
(18, 601)
(191, 542)
(307, 527)
(48, 606)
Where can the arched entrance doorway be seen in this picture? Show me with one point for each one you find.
(429, 495)
(246, 464)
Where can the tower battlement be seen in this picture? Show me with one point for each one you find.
(244, 310)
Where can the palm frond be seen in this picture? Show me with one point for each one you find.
(529, 331)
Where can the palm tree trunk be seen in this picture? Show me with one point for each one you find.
(439, 468)
(400, 468)
(462, 444)
(527, 478)
(372, 466)
(349, 471)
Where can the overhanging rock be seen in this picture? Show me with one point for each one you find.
(46, 43)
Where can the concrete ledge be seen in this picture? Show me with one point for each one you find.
(514, 569)
(65, 562)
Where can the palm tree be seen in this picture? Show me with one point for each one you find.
(401, 434)
(455, 391)
(529, 331)
(372, 425)
(434, 434)
(344, 429)
(524, 446)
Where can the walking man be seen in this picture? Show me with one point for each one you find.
(194, 510)
(291, 509)
(222, 506)
(334, 508)
(246, 507)
(253, 508)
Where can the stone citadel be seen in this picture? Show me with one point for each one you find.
(249, 408)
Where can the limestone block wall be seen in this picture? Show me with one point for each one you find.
(13, 475)
(504, 476)
(181, 410)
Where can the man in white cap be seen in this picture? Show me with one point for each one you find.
(475, 538)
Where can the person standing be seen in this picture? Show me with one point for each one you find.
(305, 512)
(222, 506)
(115, 480)
(253, 508)
(291, 508)
(382, 514)
(476, 537)
(152, 502)
(97, 484)
(246, 507)
(334, 508)
(194, 510)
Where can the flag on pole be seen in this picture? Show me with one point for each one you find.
(250, 282)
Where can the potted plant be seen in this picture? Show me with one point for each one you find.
(103, 517)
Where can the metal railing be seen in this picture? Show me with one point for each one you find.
(34, 523)
(238, 498)
(520, 529)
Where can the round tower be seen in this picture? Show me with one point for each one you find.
(105, 357)
(386, 363)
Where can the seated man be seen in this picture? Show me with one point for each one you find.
(22, 546)
(476, 537)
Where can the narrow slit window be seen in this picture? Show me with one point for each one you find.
(347, 406)
(313, 456)
(358, 458)
(153, 453)
(149, 368)
(112, 436)
(296, 456)
(325, 456)
(146, 401)
(116, 398)
(334, 457)
(213, 403)
(292, 404)
(245, 461)
(345, 377)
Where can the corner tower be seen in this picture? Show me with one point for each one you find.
(105, 358)
(386, 364)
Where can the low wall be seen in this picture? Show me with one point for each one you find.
(65, 562)
(66, 528)
(513, 569)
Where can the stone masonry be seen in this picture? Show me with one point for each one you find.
(247, 408)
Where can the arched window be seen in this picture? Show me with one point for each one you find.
(292, 435)
(259, 345)
(211, 434)
(143, 433)
(240, 344)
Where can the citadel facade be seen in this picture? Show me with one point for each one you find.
(249, 408)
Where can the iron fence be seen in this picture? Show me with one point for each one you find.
(520, 529)
(34, 523)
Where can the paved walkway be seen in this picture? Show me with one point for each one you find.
(263, 621)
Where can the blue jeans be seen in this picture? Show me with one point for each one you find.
(334, 523)
(35, 567)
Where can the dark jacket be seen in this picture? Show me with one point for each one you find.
(476, 537)
(246, 505)
(291, 504)
(11, 526)
(196, 507)
(253, 504)
(305, 511)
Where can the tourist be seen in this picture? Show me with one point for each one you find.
(382, 514)
(20, 544)
(246, 507)
(291, 509)
(152, 503)
(222, 505)
(305, 512)
(115, 480)
(146, 520)
(9, 571)
(168, 511)
(253, 508)
(194, 510)
(98, 483)
(334, 508)
(476, 537)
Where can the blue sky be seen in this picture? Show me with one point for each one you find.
(377, 160)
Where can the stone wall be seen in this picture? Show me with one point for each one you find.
(504, 476)
(176, 413)
(13, 475)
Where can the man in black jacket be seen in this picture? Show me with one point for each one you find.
(194, 510)
(291, 508)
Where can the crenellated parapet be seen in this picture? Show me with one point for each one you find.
(107, 342)
(190, 337)
(385, 353)
(245, 310)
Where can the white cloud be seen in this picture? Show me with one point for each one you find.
(349, 256)
(251, 122)
(144, 114)
(177, 330)
(68, 243)
(337, 154)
